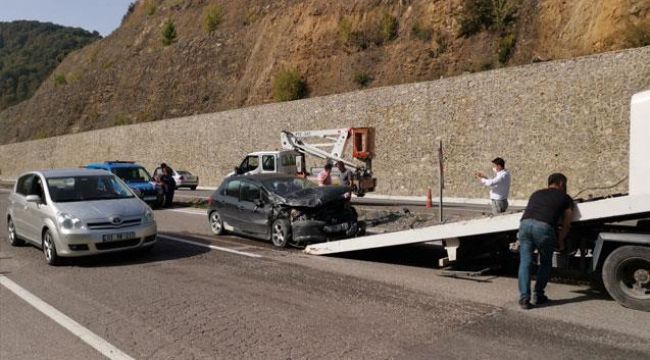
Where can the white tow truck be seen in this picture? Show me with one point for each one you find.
(609, 236)
(330, 147)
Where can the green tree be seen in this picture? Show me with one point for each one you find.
(168, 33)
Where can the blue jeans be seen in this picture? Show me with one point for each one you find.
(535, 234)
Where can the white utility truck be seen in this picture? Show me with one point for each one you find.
(331, 147)
(609, 236)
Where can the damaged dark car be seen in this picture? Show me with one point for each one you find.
(284, 209)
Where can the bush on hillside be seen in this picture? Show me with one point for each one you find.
(362, 78)
(479, 15)
(421, 33)
(150, 7)
(288, 86)
(168, 33)
(389, 27)
(212, 17)
(506, 47)
(59, 80)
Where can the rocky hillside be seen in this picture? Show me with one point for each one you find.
(29, 51)
(181, 57)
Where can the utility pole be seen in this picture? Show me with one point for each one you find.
(441, 177)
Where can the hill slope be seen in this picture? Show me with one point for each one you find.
(226, 54)
(29, 51)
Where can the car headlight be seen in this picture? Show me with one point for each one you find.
(148, 217)
(68, 221)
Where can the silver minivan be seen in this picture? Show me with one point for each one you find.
(78, 212)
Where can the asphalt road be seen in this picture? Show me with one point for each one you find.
(244, 299)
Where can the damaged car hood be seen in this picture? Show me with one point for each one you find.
(315, 197)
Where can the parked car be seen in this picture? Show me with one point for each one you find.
(284, 209)
(136, 177)
(183, 178)
(76, 213)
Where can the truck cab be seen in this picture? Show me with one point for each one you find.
(270, 162)
(136, 177)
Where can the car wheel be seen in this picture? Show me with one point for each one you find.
(281, 233)
(216, 224)
(11, 234)
(193, 187)
(49, 249)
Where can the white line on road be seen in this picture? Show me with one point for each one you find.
(188, 211)
(213, 247)
(60, 318)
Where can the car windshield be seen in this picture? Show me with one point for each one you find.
(287, 186)
(84, 188)
(132, 174)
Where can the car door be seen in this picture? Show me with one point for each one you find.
(35, 212)
(229, 205)
(253, 212)
(19, 204)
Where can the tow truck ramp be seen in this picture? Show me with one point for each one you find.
(605, 210)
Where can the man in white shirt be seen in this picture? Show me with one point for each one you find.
(499, 185)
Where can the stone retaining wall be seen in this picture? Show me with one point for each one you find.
(570, 116)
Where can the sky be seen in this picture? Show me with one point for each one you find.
(101, 15)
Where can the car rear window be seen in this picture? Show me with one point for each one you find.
(287, 186)
(232, 189)
(137, 174)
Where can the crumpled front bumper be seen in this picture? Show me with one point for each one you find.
(312, 231)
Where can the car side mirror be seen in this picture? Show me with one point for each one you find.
(238, 170)
(259, 203)
(34, 199)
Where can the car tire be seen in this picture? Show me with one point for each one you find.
(193, 188)
(216, 223)
(12, 237)
(625, 275)
(49, 249)
(280, 233)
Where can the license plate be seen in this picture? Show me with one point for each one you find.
(118, 237)
(146, 198)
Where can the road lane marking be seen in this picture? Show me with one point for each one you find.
(188, 211)
(60, 318)
(213, 247)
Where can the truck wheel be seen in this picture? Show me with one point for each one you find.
(626, 275)
(280, 233)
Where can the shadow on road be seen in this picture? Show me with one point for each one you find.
(162, 251)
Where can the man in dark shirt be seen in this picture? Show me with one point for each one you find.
(537, 230)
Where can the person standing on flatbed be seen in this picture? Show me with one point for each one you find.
(537, 230)
(499, 185)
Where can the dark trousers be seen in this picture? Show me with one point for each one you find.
(533, 235)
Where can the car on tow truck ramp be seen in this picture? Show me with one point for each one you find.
(284, 209)
(78, 212)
